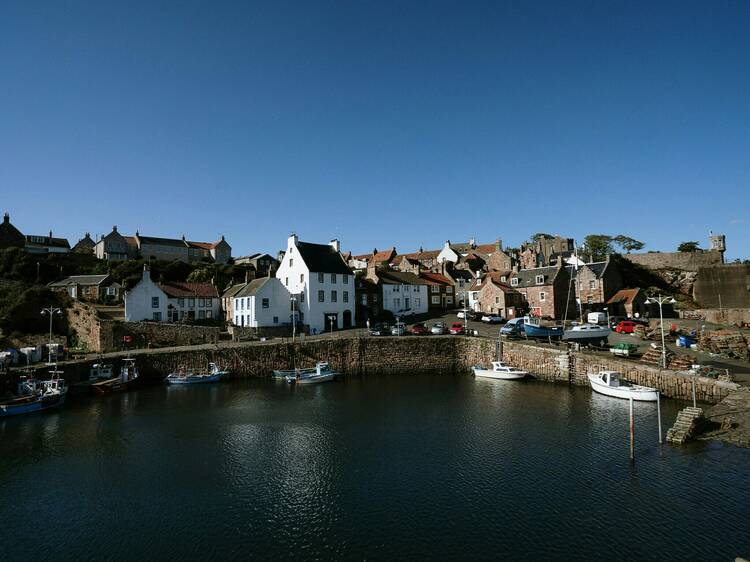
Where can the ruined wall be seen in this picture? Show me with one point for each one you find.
(687, 261)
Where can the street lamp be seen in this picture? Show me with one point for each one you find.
(332, 318)
(660, 300)
(52, 311)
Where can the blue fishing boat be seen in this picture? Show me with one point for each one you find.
(214, 374)
(36, 396)
(321, 373)
(533, 328)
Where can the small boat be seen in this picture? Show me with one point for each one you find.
(321, 373)
(612, 384)
(499, 370)
(100, 372)
(283, 374)
(587, 333)
(533, 328)
(214, 374)
(36, 396)
(127, 379)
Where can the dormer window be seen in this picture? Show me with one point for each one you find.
(540, 279)
(504, 279)
(514, 282)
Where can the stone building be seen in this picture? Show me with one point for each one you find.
(547, 290)
(10, 236)
(596, 282)
(497, 297)
(627, 302)
(85, 245)
(441, 291)
(89, 287)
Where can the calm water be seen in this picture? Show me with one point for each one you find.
(379, 468)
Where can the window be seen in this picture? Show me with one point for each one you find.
(540, 279)
(286, 281)
(191, 303)
(180, 302)
(435, 300)
(321, 296)
(448, 300)
(320, 279)
(264, 303)
(460, 283)
(334, 297)
(201, 302)
(514, 282)
(333, 277)
(397, 302)
(590, 300)
(301, 277)
(497, 300)
(275, 319)
(406, 303)
(542, 296)
(209, 303)
(449, 290)
(201, 314)
(154, 302)
(503, 278)
(302, 297)
(346, 296)
(364, 299)
(346, 279)
(291, 262)
(209, 314)
(242, 304)
(417, 302)
(592, 284)
(157, 316)
(396, 289)
(434, 289)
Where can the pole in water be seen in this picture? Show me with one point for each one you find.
(694, 404)
(658, 414)
(632, 433)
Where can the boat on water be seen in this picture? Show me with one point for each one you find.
(128, 378)
(587, 334)
(534, 329)
(321, 373)
(612, 384)
(101, 372)
(283, 374)
(214, 374)
(499, 370)
(36, 396)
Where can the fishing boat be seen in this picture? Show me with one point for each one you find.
(499, 370)
(214, 374)
(534, 329)
(36, 396)
(321, 373)
(101, 372)
(612, 384)
(283, 374)
(587, 334)
(127, 379)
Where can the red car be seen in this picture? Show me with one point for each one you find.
(457, 328)
(419, 330)
(626, 327)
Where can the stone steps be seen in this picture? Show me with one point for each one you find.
(686, 426)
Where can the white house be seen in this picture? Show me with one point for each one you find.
(262, 302)
(321, 282)
(170, 302)
(403, 291)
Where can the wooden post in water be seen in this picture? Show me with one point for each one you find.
(632, 433)
(694, 404)
(658, 414)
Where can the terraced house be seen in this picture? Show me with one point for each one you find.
(170, 302)
(547, 290)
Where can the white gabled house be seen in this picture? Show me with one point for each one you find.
(171, 302)
(321, 282)
(261, 303)
(402, 291)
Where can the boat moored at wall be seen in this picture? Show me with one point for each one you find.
(611, 383)
(214, 374)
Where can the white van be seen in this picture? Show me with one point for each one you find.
(597, 318)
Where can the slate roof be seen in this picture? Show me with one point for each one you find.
(322, 258)
(394, 277)
(191, 290)
(423, 255)
(86, 280)
(495, 278)
(178, 242)
(527, 277)
(232, 290)
(48, 241)
(253, 287)
(597, 267)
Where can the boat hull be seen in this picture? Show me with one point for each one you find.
(499, 375)
(542, 332)
(112, 385)
(195, 379)
(314, 379)
(639, 393)
(31, 407)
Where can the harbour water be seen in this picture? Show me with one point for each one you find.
(375, 468)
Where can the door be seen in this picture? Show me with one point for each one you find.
(347, 319)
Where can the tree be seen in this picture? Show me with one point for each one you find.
(597, 246)
(627, 243)
(536, 237)
(688, 247)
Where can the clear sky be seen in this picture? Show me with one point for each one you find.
(377, 122)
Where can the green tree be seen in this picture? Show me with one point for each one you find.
(597, 246)
(627, 243)
(688, 247)
(202, 274)
(538, 235)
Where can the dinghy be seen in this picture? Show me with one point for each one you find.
(612, 384)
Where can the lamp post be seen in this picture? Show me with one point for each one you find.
(660, 300)
(51, 310)
(606, 309)
(331, 318)
(293, 300)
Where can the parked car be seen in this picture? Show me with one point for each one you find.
(439, 329)
(419, 329)
(468, 315)
(624, 348)
(380, 329)
(492, 319)
(457, 329)
(513, 328)
(398, 329)
(404, 313)
(626, 327)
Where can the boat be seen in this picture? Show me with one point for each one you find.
(127, 379)
(283, 374)
(100, 372)
(499, 370)
(612, 384)
(321, 373)
(214, 374)
(36, 396)
(587, 334)
(533, 328)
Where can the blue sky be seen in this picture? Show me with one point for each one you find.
(378, 122)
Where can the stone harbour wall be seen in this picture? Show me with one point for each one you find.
(160, 334)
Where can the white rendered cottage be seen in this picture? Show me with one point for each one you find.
(170, 302)
(262, 302)
(403, 292)
(321, 282)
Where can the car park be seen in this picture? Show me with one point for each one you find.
(419, 329)
(492, 319)
(439, 329)
(457, 329)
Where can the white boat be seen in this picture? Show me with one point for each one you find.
(284, 374)
(499, 370)
(587, 333)
(321, 373)
(214, 374)
(612, 384)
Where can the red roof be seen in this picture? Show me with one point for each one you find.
(191, 290)
(435, 279)
(485, 248)
(624, 295)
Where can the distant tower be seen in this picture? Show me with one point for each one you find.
(717, 243)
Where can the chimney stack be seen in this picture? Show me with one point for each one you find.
(335, 244)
